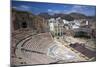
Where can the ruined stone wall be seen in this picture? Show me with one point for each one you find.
(21, 19)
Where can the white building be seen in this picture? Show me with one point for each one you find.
(76, 24)
(56, 26)
(51, 24)
(72, 24)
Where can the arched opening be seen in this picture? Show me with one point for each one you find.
(24, 25)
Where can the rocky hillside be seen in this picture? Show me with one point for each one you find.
(68, 17)
(24, 20)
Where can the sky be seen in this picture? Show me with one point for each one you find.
(52, 8)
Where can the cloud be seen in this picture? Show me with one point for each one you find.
(75, 8)
(57, 11)
(22, 7)
(14, 7)
(25, 7)
(54, 11)
(50, 10)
